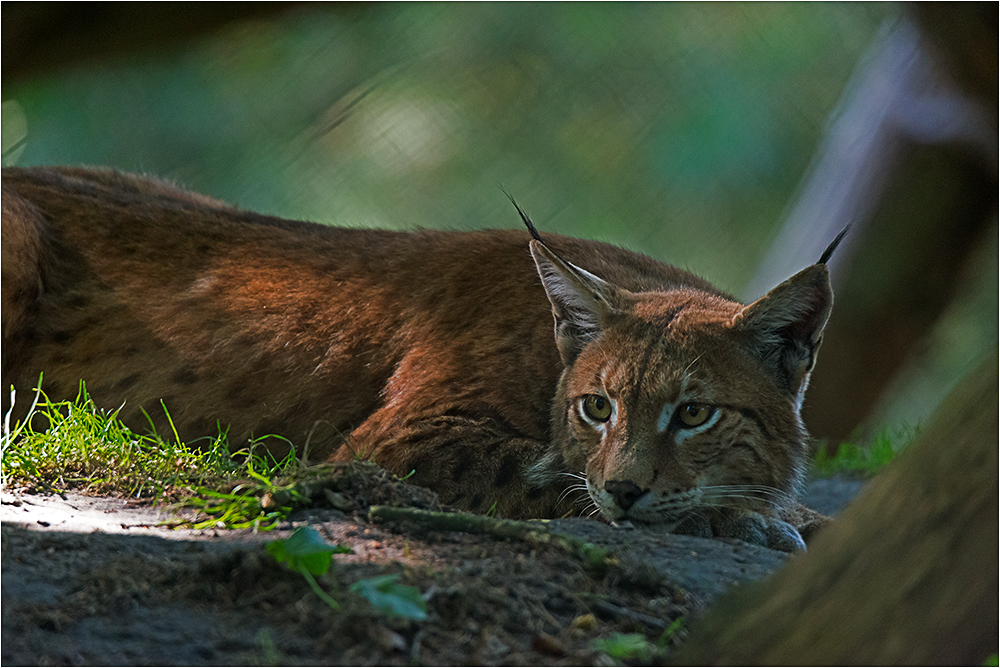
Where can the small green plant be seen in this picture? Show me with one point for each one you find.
(635, 646)
(391, 598)
(623, 646)
(307, 553)
(270, 656)
(854, 459)
(670, 632)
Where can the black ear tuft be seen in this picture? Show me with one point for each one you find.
(524, 216)
(825, 257)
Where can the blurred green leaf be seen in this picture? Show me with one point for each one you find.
(305, 550)
(625, 646)
(391, 598)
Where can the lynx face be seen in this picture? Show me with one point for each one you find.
(679, 403)
(674, 421)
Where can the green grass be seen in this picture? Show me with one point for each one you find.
(853, 459)
(75, 445)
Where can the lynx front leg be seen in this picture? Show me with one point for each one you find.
(786, 530)
(756, 528)
(477, 464)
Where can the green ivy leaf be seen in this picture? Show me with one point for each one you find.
(305, 550)
(391, 598)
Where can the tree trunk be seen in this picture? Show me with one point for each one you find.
(906, 576)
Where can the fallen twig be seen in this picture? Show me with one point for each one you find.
(595, 558)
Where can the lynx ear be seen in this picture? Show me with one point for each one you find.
(580, 300)
(785, 327)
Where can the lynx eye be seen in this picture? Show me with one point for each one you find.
(694, 415)
(596, 407)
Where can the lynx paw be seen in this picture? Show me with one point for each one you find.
(759, 530)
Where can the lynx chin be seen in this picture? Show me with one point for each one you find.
(540, 375)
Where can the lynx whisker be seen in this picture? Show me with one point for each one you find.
(717, 496)
(585, 502)
(693, 512)
(581, 491)
(756, 491)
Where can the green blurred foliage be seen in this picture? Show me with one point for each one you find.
(858, 461)
(677, 129)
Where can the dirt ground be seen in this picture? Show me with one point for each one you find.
(89, 580)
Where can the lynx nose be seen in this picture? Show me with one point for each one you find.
(625, 492)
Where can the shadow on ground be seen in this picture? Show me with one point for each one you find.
(95, 581)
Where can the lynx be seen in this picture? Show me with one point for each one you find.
(537, 376)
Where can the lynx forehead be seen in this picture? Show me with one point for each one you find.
(538, 377)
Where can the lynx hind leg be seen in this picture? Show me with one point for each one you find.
(476, 464)
(21, 275)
